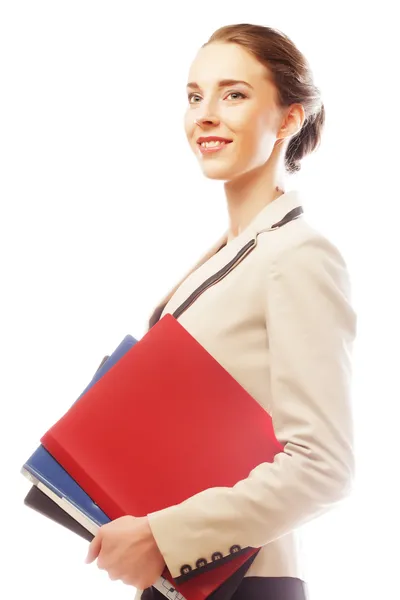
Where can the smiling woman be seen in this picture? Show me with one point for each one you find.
(272, 81)
(271, 302)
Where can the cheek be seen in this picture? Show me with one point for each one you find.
(254, 134)
(260, 133)
(246, 125)
(250, 138)
(188, 123)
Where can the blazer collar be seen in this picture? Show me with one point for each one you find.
(268, 216)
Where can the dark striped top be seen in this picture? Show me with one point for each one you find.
(251, 588)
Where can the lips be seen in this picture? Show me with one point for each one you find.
(213, 138)
(213, 149)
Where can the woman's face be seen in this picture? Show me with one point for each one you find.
(245, 112)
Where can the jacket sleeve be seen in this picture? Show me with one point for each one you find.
(311, 326)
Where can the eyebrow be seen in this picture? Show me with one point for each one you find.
(221, 84)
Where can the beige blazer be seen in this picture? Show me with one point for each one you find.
(282, 323)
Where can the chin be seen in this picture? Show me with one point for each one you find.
(219, 172)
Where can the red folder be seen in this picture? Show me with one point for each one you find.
(164, 423)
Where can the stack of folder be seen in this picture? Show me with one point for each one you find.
(161, 421)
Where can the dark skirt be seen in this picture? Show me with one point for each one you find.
(253, 588)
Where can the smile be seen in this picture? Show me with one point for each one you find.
(210, 147)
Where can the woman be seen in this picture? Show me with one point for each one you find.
(278, 318)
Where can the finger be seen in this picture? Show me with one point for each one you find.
(113, 575)
(94, 549)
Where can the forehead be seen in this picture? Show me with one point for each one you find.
(226, 60)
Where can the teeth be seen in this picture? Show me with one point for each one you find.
(210, 144)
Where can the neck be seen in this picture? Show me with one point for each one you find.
(248, 194)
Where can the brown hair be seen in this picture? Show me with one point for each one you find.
(292, 77)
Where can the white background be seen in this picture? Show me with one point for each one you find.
(103, 208)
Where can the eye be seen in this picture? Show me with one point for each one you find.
(238, 94)
(190, 96)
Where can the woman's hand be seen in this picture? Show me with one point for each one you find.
(127, 550)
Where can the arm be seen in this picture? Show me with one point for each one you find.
(311, 327)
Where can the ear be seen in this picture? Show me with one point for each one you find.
(293, 121)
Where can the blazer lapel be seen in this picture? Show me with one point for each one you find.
(222, 241)
(266, 218)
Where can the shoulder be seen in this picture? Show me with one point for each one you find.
(299, 244)
(300, 266)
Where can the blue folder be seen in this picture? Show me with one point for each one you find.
(46, 473)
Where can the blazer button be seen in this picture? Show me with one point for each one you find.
(185, 569)
(201, 563)
(217, 556)
(235, 549)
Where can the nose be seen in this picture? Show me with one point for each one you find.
(206, 120)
